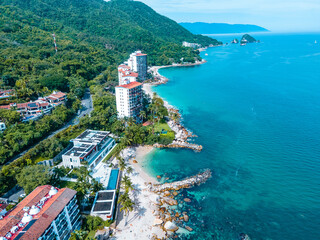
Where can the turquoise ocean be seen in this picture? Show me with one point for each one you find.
(256, 111)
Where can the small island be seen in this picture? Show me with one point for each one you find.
(247, 39)
(235, 41)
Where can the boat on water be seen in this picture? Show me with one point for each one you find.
(206, 54)
(315, 42)
(243, 44)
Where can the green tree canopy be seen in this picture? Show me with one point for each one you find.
(32, 177)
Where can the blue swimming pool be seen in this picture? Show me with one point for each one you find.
(113, 179)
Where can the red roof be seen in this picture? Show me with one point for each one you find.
(3, 206)
(141, 54)
(132, 74)
(43, 104)
(22, 105)
(58, 95)
(5, 107)
(130, 85)
(50, 210)
(124, 66)
(147, 123)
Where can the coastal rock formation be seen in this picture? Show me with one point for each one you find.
(157, 221)
(180, 144)
(189, 229)
(170, 226)
(187, 183)
(235, 41)
(243, 236)
(247, 39)
(170, 201)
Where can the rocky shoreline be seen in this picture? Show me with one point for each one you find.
(181, 133)
(168, 217)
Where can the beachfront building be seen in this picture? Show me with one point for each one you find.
(2, 126)
(138, 63)
(105, 201)
(129, 100)
(89, 148)
(35, 110)
(46, 213)
(192, 45)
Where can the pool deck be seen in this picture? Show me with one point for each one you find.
(101, 173)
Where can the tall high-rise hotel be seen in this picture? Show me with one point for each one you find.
(129, 91)
(138, 63)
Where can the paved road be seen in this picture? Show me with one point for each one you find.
(87, 108)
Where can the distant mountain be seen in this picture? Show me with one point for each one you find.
(216, 28)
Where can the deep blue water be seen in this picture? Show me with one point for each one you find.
(256, 110)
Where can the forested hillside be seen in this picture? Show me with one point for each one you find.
(92, 35)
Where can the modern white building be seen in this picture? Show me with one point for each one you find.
(129, 100)
(138, 63)
(47, 213)
(89, 148)
(2, 126)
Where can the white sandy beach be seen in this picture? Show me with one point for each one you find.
(139, 224)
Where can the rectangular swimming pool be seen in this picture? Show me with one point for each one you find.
(112, 184)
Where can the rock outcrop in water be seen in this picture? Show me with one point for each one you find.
(247, 39)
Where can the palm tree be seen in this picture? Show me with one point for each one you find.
(126, 202)
(122, 165)
(129, 170)
(143, 115)
(127, 184)
(126, 141)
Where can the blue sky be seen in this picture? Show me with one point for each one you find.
(275, 15)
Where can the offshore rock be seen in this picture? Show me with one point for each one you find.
(243, 236)
(170, 201)
(170, 226)
(189, 228)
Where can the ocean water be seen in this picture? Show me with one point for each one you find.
(256, 111)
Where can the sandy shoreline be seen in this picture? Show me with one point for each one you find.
(139, 224)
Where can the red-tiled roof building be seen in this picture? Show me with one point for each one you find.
(46, 213)
(129, 100)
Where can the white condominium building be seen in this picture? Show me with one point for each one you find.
(138, 63)
(129, 100)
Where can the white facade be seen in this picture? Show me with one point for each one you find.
(2, 126)
(68, 220)
(129, 100)
(138, 63)
(89, 149)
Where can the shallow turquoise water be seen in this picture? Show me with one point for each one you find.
(256, 110)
